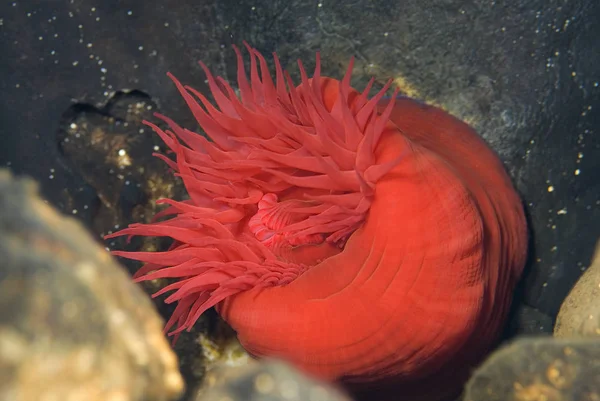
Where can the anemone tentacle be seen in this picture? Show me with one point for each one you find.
(280, 170)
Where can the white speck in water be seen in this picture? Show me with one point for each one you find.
(562, 211)
(550, 188)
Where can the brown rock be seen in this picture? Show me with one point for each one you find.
(72, 324)
(539, 368)
(579, 315)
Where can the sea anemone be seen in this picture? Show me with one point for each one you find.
(375, 241)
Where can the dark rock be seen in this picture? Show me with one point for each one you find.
(530, 321)
(265, 381)
(72, 324)
(535, 369)
(579, 315)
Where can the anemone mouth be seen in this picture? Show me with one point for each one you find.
(274, 221)
(286, 166)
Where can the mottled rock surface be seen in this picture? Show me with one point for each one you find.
(72, 324)
(579, 315)
(265, 381)
(536, 369)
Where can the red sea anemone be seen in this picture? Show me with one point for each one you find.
(376, 242)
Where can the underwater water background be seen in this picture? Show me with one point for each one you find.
(525, 74)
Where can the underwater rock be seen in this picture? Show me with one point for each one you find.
(540, 368)
(265, 381)
(72, 324)
(579, 314)
(110, 149)
(530, 321)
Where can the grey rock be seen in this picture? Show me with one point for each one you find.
(530, 321)
(579, 315)
(542, 368)
(72, 324)
(269, 380)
